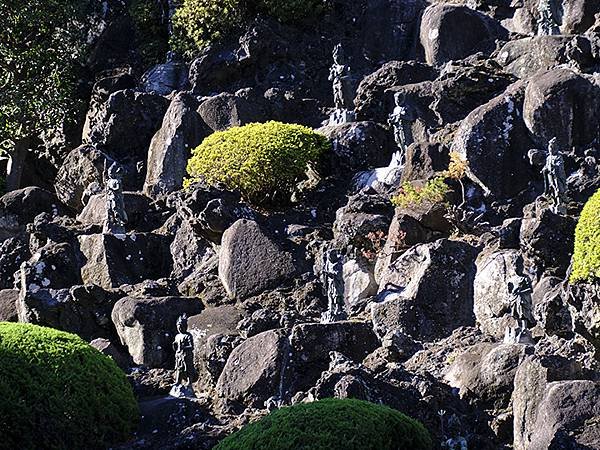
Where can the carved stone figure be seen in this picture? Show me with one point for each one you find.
(454, 440)
(343, 90)
(184, 360)
(332, 278)
(116, 217)
(546, 24)
(401, 120)
(520, 290)
(555, 178)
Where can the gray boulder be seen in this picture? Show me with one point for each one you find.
(225, 110)
(137, 206)
(8, 305)
(359, 282)
(578, 16)
(189, 251)
(253, 370)
(146, 326)
(251, 261)
(171, 146)
(163, 79)
(112, 261)
(428, 291)
(13, 252)
(454, 32)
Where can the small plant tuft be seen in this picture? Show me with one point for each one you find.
(434, 191)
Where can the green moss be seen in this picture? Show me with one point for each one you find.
(434, 191)
(264, 161)
(58, 392)
(586, 258)
(332, 424)
(198, 23)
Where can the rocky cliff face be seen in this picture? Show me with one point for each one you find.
(426, 286)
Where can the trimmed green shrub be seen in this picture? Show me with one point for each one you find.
(198, 23)
(331, 424)
(264, 161)
(434, 191)
(58, 392)
(586, 258)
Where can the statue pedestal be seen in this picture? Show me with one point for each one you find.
(517, 335)
(341, 116)
(181, 391)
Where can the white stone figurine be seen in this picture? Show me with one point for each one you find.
(184, 360)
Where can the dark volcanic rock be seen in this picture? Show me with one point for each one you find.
(8, 305)
(146, 326)
(163, 79)
(226, 110)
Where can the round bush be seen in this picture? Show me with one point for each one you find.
(58, 392)
(331, 424)
(264, 161)
(586, 258)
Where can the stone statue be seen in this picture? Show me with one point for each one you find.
(116, 217)
(333, 282)
(519, 288)
(184, 360)
(343, 91)
(546, 24)
(401, 120)
(555, 178)
(453, 440)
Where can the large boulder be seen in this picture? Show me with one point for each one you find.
(454, 32)
(83, 166)
(310, 345)
(428, 291)
(492, 301)
(565, 105)
(251, 261)
(137, 207)
(226, 110)
(495, 141)
(171, 146)
(252, 373)
(358, 146)
(578, 16)
(189, 251)
(163, 79)
(146, 326)
(124, 125)
(13, 252)
(112, 261)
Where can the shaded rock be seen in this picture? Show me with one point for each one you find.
(146, 326)
(106, 347)
(453, 32)
(189, 251)
(54, 266)
(584, 302)
(358, 146)
(13, 252)
(8, 305)
(171, 146)
(428, 291)
(163, 79)
(125, 124)
(112, 261)
(253, 370)
(370, 98)
(251, 262)
(359, 282)
(492, 301)
(578, 16)
(562, 104)
(225, 110)
(137, 206)
(494, 139)
(423, 160)
(151, 382)
(83, 166)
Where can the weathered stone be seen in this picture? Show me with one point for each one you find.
(171, 146)
(54, 266)
(564, 105)
(253, 370)
(423, 160)
(83, 166)
(163, 79)
(226, 110)
(359, 282)
(578, 16)
(491, 296)
(251, 262)
(430, 291)
(13, 252)
(189, 251)
(8, 305)
(146, 326)
(106, 347)
(453, 32)
(112, 261)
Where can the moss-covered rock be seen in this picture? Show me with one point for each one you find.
(586, 258)
(263, 161)
(58, 392)
(332, 424)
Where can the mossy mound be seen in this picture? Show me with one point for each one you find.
(586, 258)
(332, 424)
(58, 392)
(264, 161)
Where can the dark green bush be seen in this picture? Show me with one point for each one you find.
(264, 161)
(58, 392)
(198, 23)
(331, 424)
(586, 258)
(152, 36)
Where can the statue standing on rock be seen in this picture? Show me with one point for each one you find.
(116, 217)
(343, 90)
(333, 282)
(555, 178)
(184, 360)
(521, 303)
(401, 120)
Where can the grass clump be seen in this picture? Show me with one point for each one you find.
(58, 392)
(331, 424)
(586, 258)
(264, 161)
(434, 191)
